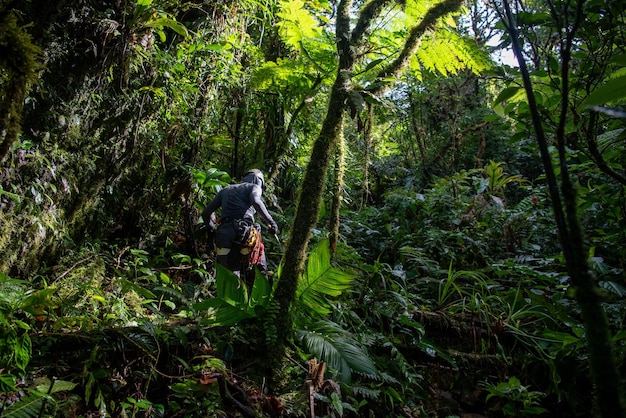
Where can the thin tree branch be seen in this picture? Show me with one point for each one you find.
(368, 14)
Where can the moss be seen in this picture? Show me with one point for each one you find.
(19, 70)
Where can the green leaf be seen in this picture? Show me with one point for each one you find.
(531, 19)
(433, 350)
(619, 59)
(38, 301)
(562, 337)
(58, 386)
(328, 342)
(229, 287)
(232, 303)
(29, 406)
(141, 291)
(261, 291)
(170, 23)
(23, 351)
(296, 23)
(613, 287)
(507, 94)
(225, 313)
(321, 281)
(613, 90)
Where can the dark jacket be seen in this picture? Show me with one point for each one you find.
(239, 201)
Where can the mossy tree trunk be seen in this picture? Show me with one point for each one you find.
(366, 193)
(348, 42)
(20, 67)
(338, 186)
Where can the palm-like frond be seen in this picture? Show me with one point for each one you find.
(233, 303)
(322, 281)
(29, 406)
(328, 342)
(174, 296)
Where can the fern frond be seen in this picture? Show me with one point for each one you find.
(328, 342)
(142, 340)
(447, 52)
(27, 407)
(366, 392)
(172, 295)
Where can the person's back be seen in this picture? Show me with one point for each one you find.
(236, 201)
(239, 202)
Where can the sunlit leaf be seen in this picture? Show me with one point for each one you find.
(321, 281)
(613, 90)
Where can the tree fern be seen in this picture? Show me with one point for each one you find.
(448, 53)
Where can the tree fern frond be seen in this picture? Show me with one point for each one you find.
(296, 24)
(447, 52)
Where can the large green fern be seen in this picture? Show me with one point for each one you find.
(327, 341)
(40, 400)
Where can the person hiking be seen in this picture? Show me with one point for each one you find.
(238, 243)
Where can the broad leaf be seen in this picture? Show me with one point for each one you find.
(232, 303)
(321, 281)
(261, 291)
(229, 287)
(225, 314)
(613, 90)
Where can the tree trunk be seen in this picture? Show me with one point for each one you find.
(307, 212)
(418, 132)
(310, 196)
(366, 193)
(333, 224)
(603, 367)
(20, 69)
(312, 186)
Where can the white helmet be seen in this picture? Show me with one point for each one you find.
(254, 176)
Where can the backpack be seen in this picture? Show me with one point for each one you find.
(246, 232)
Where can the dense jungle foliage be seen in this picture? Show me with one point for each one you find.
(448, 179)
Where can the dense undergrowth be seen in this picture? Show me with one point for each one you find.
(448, 293)
(438, 302)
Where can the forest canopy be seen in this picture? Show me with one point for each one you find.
(451, 238)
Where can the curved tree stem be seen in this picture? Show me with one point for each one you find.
(603, 366)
